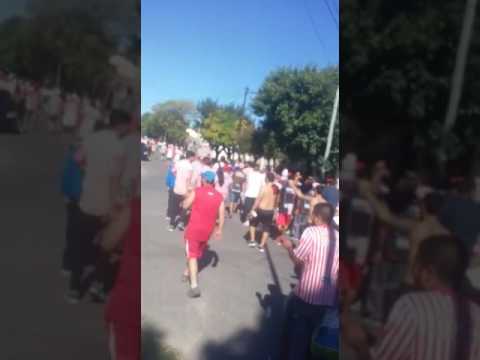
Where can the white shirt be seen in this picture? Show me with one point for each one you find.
(103, 152)
(89, 119)
(183, 173)
(255, 181)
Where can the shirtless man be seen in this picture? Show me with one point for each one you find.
(427, 226)
(317, 198)
(263, 211)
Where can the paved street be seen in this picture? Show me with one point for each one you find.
(243, 291)
(36, 321)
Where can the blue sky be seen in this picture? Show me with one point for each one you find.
(197, 49)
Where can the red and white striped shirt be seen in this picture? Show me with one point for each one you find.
(423, 326)
(319, 254)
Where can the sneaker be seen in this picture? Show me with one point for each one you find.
(261, 249)
(180, 227)
(170, 228)
(246, 223)
(193, 292)
(72, 297)
(252, 244)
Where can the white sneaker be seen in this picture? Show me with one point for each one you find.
(246, 223)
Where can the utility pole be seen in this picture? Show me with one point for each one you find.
(333, 119)
(459, 73)
(245, 96)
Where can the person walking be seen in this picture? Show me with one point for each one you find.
(183, 171)
(102, 157)
(263, 212)
(253, 184)
(316, 292)
(207, 206)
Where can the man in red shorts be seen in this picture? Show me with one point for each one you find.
(207, 205)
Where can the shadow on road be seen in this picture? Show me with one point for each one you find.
(153, 347)
(210, 257)
(266, 342)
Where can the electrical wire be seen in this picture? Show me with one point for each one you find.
(315, 30)
(327, 4)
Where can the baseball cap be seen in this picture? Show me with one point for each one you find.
(208, 176)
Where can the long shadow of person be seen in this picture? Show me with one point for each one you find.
(262, 343)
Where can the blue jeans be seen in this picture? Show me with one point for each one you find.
(303, 319)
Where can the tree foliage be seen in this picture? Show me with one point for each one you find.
(69, 40)
(398, 60)
(168, 121)
(225, 127)
(296, 107)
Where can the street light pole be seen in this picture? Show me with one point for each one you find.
(245, 96)
(333, 119)
(459, 72)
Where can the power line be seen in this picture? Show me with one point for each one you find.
(312, 22)
(327, 4)
(335, 6)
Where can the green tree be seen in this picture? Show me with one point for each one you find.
(407, 99)
(168, 120)
(220, 130)
(296, 107)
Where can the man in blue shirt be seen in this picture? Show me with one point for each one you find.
(170, 182)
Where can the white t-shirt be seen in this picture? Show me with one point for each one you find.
(183, 173)
(90, 117)
(104, 153)
(54, 102)
(70, 113)
(197, 168)
(255, 181)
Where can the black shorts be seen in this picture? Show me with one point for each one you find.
(264, 218)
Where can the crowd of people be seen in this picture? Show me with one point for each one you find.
(34, 106)
(296, 211)
(101, 186)
(409, 264)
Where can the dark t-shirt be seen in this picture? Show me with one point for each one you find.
(461, 217)
(330, 193)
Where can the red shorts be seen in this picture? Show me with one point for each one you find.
(283, 220)
(127, 341)
(194, 249)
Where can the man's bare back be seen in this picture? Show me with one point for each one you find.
(428, 227)
(268, 198)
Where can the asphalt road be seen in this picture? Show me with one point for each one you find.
(37, 323)
(240, 311)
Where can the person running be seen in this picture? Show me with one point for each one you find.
(316, 292)
(207, 205)
(262, 212)
(416, 327)
(183, 176)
